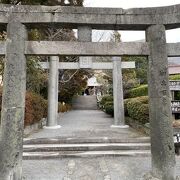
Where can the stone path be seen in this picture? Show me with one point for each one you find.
(86, 123)
(85, 103)
(104, 168)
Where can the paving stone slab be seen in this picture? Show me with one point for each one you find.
(87, 124)
(119, 168)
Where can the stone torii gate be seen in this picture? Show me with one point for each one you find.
(85, 35)
(86, 63)
(152, 20)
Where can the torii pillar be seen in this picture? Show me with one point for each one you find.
(52, 120)
(162, 145)
(13, 103)
(119, 117)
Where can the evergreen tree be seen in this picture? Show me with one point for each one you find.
(36, 77)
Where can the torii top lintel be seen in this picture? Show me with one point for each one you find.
(97, 18)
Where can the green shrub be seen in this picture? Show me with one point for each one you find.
(105, 99)
(109, 108)
(177, 95)
(125, 106)
(108, 103)
(142, 99)
(138, 109)
(174, 77)
(139, 91)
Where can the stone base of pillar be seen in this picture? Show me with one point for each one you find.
(120, 126)
(52, 127)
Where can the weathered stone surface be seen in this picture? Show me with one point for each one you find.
(86, 48)
(109, 49)
(162, 146)
(85, 35)
(13, 104)
(88, 10)
(97, 18)
(53, 91)
(98, 66)
(118, 93)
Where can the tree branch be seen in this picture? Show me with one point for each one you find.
(70, 77)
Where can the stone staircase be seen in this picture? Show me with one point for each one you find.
(43, 148)
(85, 103)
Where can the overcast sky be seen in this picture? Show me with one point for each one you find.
(172, 35)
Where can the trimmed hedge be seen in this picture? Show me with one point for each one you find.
(174, 77)
(139, 91)
(138, 109)
(109, 108)
(106, 104)
(142, 99)
(125, 106)
(105, 99)
(143, 89)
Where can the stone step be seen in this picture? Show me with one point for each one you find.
(64, 154)
(84, 103)
(86, 147)
(80, 140)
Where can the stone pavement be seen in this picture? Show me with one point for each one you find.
(102, 168)
(86, 123)
(85, 103)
